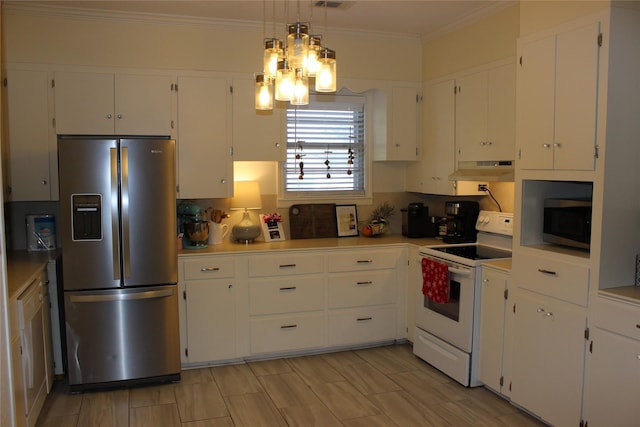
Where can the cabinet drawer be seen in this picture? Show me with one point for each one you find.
(362, 288)
(286, 333)
(286, 294)
(619, 317)
(286, 264)
(364, 325)
(209, 268)
(559, 279)
(362, 260)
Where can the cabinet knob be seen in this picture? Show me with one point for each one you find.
(119, 116)
(223, 181)
(277, 144)
(557, 145)
(546, 145)
(108, 116)
(43, 182)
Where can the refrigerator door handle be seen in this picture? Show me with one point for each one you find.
(114, 212)
(126, 251)
(122, 296)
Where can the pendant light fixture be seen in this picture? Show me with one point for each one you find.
(290, 66)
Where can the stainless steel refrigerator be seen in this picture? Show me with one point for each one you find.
(119, 259)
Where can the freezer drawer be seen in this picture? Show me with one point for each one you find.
(121, 335)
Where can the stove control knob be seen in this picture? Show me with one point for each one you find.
(483, 220)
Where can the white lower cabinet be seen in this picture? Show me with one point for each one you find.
(263, 304)
(209, 308)
(548, 357)
(495, 330)
(613, 365)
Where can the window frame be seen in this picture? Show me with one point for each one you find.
(286, 199)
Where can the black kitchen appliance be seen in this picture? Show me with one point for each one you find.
(415, 220)
(461, 221)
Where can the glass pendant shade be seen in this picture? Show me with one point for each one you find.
(300, 94)
(264, 93)
(284, 82)
(272, 54)
(297, 45)
(313, 56)
(326, 75)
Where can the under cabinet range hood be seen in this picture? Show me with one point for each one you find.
(485, 170)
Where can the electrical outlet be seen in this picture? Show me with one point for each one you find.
(482, 187)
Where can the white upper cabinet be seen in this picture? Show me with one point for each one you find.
(205, 166)
(257, 135)
(557, 100)
(396, 124)
(431, 174)
(32, 164)
(88, 103)
(485, 115)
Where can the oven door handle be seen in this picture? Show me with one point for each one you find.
(463, 272)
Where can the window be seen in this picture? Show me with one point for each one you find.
(325, 148)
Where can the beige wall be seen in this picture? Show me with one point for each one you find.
(490, 39)
(151, 43)
(539, 15)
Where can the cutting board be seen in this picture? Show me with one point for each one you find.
(309, 221)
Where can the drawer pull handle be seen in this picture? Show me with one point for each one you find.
(210, 269)
(364, 261)
(368, 282)
(362, 319)
(288, 326)
(289, 288)
(287, 265)
(549, 272)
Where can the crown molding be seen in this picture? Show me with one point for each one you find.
(70, 12)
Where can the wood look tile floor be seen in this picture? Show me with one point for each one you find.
(382, 386)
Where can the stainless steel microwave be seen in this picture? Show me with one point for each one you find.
(567, 222)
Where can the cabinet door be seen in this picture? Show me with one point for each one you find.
(257, 134)
(205, 168)
(403, 137)
(211, 320)
(471, 116)
(439, 139)
(143, 104)
(535, 104)
(501, 114)
(84, 103)
(548, 358)
(576, 98)
(492, 326)
(28, 135)
(613, 380)
(18, 383)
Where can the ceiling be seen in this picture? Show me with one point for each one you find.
(422, 18)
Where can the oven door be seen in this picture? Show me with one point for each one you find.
(453, 321)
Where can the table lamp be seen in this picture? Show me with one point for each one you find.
(246, 195)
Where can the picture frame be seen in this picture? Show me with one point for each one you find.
(347, 220)
(272, 231)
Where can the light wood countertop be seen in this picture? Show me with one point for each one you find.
(24, 266)
(310, 244)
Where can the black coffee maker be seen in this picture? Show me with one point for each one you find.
(461, 221)
(415, 220)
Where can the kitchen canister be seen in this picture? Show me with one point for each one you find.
(217, 232)
(41, 232)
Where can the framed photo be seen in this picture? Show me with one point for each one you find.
(271, 230)
(347, 220)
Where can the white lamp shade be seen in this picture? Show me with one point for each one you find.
(246, 195)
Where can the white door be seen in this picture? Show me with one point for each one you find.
(143, 104)
(84, 103)
(205, 168)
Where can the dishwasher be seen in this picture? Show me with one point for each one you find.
(31, 325)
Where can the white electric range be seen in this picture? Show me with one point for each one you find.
(446, 334)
